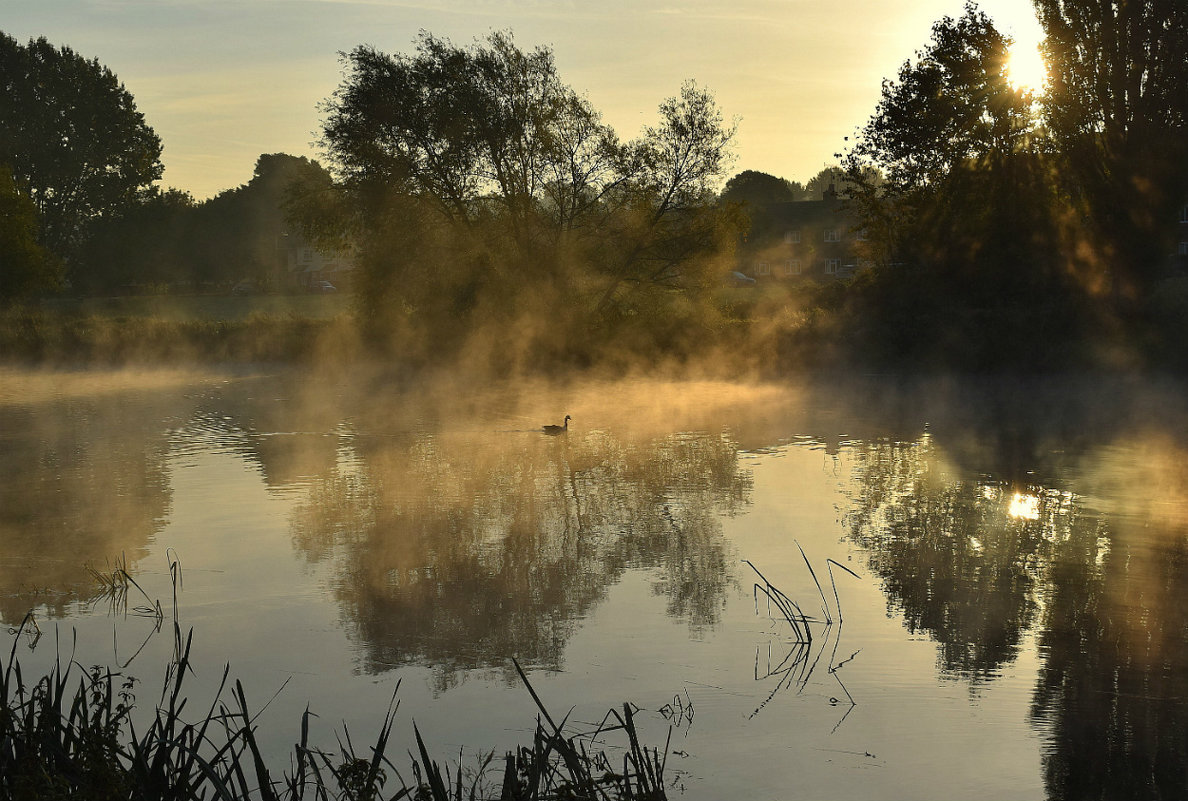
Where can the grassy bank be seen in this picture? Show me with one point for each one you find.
(49, 336)
(70, 734)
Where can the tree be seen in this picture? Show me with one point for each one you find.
(757, 188)
(1117, 105)
(150, 242)
(483, 188)
(73, 138)
(960, 208)
(25, 266)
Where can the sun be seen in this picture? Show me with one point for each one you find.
(1026, 68)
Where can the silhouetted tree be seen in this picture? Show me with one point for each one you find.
(1117, 105)
(239, 233)
(73, 138)
(149, 242)
(757, 188)
(959, 216)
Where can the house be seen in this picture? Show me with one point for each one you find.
(808, 239)
(307, 265)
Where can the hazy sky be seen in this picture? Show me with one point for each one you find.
(222, 81)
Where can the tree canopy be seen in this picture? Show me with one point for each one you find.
(756, 188)
(958, 199)
(72, 136)
(1117, 109)
(480, 184)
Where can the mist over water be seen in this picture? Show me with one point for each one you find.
(1014, 630)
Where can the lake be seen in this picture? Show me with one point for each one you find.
(859, 588)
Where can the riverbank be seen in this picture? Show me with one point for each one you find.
(52, 337)
(70, 733)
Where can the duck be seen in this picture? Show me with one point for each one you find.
(555, 430)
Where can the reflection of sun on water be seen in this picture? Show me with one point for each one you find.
(1026, 69)
(1024, 507)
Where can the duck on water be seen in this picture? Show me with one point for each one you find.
(555, 430)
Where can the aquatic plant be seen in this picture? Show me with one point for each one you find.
(71, 734)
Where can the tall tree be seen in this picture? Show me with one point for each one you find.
(1117, 104)
(482, 186)
(959, 208)
(72, 135)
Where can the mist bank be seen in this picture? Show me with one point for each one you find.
(765, 332)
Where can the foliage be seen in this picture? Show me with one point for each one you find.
(755, 188)
(483, 190)
(166, 239)
(147, 243)
(25, 266)
(1117, 106)
(73, 138)
(61, 739)
(962, 209)
(241, 233)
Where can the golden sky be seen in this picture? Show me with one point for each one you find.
(222, 81)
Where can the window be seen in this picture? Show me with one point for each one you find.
(792, 237)
(832, 235)
(831, 266)
(1184, 213)
(861, 235)
(1183, 249)
(764, 269)
(794, 267)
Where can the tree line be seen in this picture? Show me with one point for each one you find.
(481, 193)
(1005, 223)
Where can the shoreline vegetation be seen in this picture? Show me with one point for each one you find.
(759, 333)
(70, 733)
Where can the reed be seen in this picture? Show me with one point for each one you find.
(70, 734)
(803, 655)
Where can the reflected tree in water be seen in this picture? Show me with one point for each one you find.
(976, 566)
(83, 482)
(459, 554)
(1113, 689)
(951, 558)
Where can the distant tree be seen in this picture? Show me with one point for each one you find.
(239, 233)
(481, 185)
(755, 188)
(165, 238)
(25, 266)
(73, 138)
(1117, 106)
(150, 242)
(829, 178)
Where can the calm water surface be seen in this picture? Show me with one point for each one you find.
(1017, 626)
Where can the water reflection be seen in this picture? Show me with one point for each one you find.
(461, 551)
(1048, 522)
(82, 482)
(1113, 687)
(952, 558)
(1093, 561)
